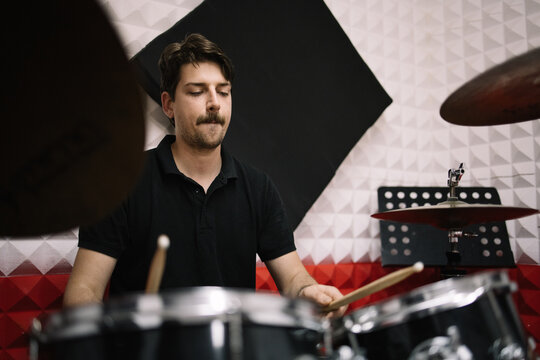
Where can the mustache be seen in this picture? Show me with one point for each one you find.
(212, 118)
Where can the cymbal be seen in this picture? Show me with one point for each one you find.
(507, 93)
(72, 139)
(454, 214)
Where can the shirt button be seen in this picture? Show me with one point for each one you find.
(196, 191)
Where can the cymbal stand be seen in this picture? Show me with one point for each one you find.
(453, 255)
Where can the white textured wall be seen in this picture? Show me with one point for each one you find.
(421, 51)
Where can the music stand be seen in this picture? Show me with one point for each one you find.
(405, 244)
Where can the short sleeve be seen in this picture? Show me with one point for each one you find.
(275, 236)
(109, 236)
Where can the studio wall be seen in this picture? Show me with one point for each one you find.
(420, 51)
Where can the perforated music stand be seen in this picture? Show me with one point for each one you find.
(405, 244)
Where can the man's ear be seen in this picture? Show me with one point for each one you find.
(166, 105)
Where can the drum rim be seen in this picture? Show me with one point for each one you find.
(140, 312)
(415, 304)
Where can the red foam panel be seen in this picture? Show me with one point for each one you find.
(23, 298)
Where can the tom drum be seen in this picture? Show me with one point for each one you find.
(472, 317)
(195, 323)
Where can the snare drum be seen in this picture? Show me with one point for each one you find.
(195, 323)
(472, 317)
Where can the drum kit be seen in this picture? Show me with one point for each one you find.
(458, 319)
(461, 317)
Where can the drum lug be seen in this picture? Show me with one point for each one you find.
(347, 353)
(512, 351)
(235, 331)
(442, 347)
(33, 346)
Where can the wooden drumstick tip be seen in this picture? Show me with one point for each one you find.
(419, 266)
(157, 265)
(163, 242)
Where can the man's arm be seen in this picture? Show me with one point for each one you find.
(293, 280)
(89, 277)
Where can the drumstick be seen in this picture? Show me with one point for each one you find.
(377, 285)
(158, 265)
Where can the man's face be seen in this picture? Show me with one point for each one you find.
(202, 105)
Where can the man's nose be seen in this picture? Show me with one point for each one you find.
(212, 104)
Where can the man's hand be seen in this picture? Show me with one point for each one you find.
(323, 295)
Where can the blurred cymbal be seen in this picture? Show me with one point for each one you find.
(455, 214)
(507, 93)
(72, 135)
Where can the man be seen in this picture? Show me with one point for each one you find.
(218, 212)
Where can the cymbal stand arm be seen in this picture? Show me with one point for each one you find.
(453, 239)
(453, 255)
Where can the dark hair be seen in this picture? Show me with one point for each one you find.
(194, 49)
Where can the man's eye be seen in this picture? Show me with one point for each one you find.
(224, 93)
(195, 93)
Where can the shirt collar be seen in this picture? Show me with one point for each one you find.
(165, 157)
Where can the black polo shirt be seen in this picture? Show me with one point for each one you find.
(214, 237)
